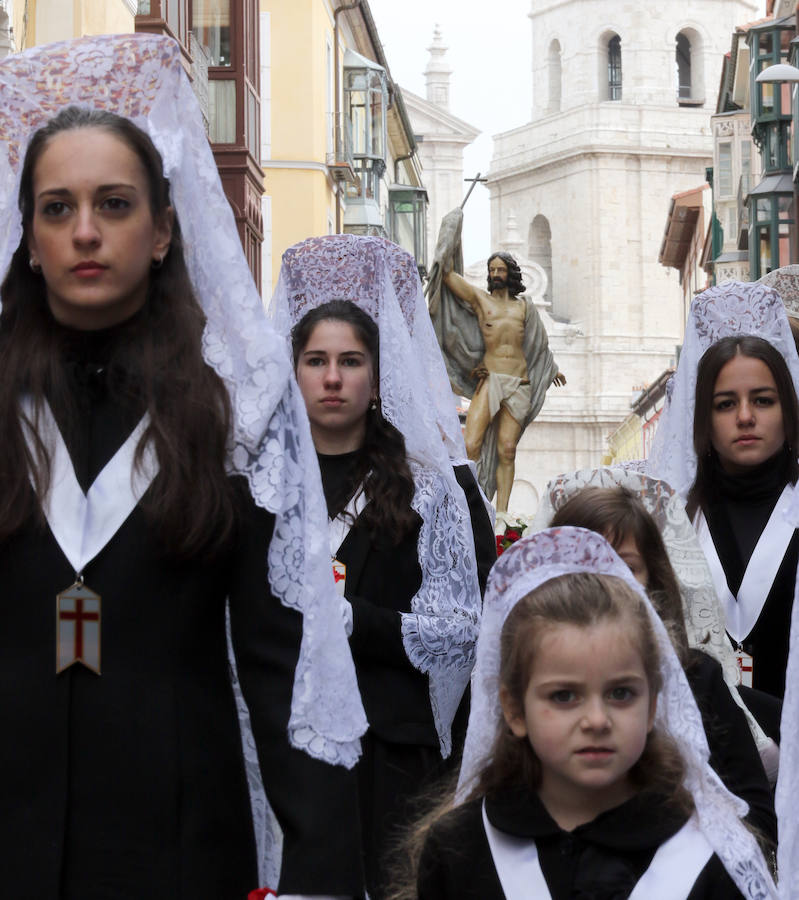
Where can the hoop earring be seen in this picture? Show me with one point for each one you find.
(157, 262)
(34, 266)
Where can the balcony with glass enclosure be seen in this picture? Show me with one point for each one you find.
(365, 96)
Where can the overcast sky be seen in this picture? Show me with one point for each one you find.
(490, 87)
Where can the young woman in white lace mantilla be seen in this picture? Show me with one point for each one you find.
(401, 533)
(158, 480)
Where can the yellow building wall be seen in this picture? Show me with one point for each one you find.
(111, 17)
(39, 22)
(627, 442)
(302, 198)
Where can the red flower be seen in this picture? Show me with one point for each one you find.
(512, 535)
(500, 544)
(261, 894)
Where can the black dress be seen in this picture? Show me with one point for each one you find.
(401, 755)
(131, 784)
(737, 511)
(601, 860)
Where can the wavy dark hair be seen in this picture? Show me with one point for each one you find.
(711, 363)
(382, 465)
(616, 513)
(515, 283)
(191, 501)
(582, 599)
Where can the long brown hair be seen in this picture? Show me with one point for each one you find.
(382, 465)
(616, 513)
(711, 363)
(581, 599)
(191, 502)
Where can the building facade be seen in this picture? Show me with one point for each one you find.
(622, 98)
(34, 22)
(337, 144)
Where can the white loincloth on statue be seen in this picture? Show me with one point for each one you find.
(510, 391)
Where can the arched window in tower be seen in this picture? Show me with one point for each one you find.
(539, 249)
(688, 75)
(614, 68)
(555, 77)
(683, 67)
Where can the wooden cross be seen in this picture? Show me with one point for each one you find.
(471, 188)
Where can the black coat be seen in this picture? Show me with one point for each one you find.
(131, 784)
(401, 756)
(601, 860)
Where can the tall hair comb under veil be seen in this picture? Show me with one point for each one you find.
(141, 77)
(382, 279)
(702, 610)
(526, 565)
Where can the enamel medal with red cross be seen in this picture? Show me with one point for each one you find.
(339, 575)
(78, 628)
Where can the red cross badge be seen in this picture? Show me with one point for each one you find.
(339, 576)
(77, 628)
(746, 664)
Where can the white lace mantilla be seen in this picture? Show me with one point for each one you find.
(440, 634)
(733, 308)
(702, 610)
(557, 551)
(381, 278)
(785, 282)
(141, 77)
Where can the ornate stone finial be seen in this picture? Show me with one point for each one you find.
(438, 71)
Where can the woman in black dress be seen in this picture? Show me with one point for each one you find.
(400, 532)
(140, 510)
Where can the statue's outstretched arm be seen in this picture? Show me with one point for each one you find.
(462, 289)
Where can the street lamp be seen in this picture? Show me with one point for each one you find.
(407, 212)
(781, 72)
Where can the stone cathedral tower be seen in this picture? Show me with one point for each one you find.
(622, 98)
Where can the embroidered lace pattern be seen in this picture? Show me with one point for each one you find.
(141, 77)
(702, 610)
(548, 554)
(381, 278)
(785, 282)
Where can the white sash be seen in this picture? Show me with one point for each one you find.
(743, 611)
(83, 524)
(339, 528)
(671, 875)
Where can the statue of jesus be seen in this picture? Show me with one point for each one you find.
(496, 351)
